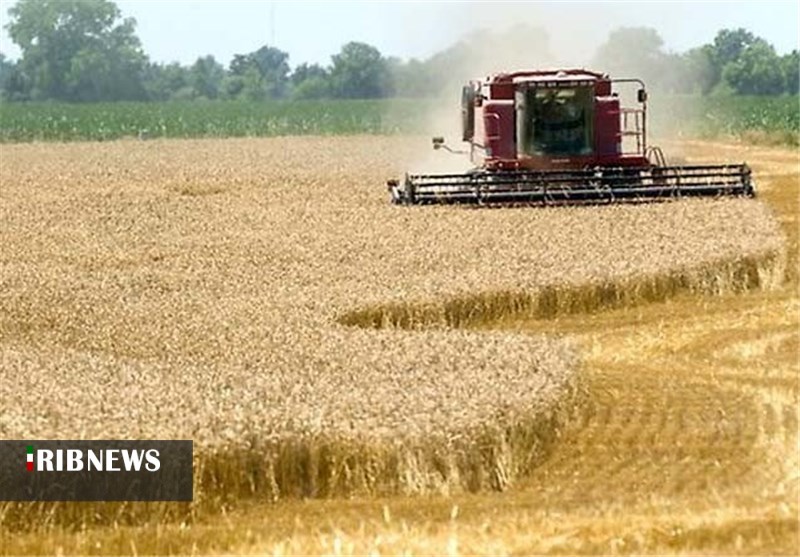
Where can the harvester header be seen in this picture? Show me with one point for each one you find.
(562, 137)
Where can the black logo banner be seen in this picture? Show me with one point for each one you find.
(108, 470)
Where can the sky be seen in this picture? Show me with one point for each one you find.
(183, 30)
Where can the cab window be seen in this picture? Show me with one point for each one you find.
(557, 121)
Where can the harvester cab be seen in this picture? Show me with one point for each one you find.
(562, 137)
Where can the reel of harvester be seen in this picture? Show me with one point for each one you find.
(573, 187)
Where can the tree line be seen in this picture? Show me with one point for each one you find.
(85, 51)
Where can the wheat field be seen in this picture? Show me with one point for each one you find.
(261, 297)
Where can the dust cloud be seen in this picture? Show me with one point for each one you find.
(494, 38)
(505, 37)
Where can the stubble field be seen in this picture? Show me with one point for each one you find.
(262, 298)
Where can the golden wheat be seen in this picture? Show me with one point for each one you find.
(207, 290)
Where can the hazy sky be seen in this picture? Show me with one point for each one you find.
(182, 30)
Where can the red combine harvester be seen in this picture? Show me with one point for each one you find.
(559, 138)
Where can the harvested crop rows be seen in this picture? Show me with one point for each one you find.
(256, 296)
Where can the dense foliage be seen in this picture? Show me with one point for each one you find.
(85, 51)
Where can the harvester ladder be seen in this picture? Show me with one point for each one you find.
(638, 127)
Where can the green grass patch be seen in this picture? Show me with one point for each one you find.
(771, 120)
(106, 121)
(765, 120)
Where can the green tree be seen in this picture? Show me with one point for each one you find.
(728, 45)
(313, 88)
(206, 77)
(273, 64)
(166, 81)
(310, 81)
(247, 83)
(263, 73)
(254, 85)
(232, 86)
(359, 71)
(697, 71)
(77, 50)
(634, 52)
(8, 71)
(791, 71)
(305, 72)
(14, 85)
(757, 70)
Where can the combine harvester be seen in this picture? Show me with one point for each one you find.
(562, 138)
